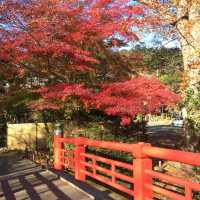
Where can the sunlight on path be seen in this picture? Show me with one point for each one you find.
(22, 179)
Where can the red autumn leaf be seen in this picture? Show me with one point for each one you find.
(122, 99)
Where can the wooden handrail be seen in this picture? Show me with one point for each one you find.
(141, 170)
(172, 155)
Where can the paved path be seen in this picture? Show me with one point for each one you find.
(21, 179)
(165, 136)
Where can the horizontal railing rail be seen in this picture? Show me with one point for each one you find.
(101, 144)
(173, 155)
(136, 179)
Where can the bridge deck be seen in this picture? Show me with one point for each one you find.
(22, 179)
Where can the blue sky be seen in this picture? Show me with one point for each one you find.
(154, 40)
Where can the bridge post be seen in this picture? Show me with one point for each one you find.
(141, 163)
(79, 158)
(57, 148)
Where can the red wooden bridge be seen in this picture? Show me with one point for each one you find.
(137, 179)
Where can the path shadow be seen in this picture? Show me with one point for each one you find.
(22, 188)
(22, 179)
(89, 187)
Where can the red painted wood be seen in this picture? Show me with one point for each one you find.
(109, 161)
(79, 158)
(188, 193)
(173, 155)
(143, 173)
(140, 165)
(109, 182)
(173, 180)
(57, 145)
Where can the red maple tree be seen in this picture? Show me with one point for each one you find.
(123, 99)
(138, 95)
(54, 37)
(57, 36)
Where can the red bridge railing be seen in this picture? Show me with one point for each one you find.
(136, 179)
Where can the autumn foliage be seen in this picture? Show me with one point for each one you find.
(123, 99)
(138, 95)
(54, 38)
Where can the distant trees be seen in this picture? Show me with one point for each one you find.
(164, 63)
(180, 18)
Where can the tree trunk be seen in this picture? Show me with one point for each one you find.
(188, 25)
(189, 28)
